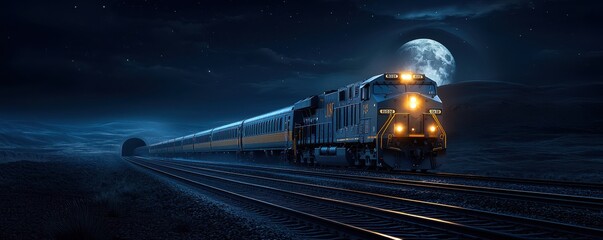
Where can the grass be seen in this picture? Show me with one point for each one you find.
(113, 194)
(77, 221)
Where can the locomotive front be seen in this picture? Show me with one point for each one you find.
(410, 133)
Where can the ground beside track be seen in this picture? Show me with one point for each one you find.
(105, 198)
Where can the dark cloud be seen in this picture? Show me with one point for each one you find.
(437, 10)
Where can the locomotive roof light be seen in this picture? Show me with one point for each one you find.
(406, 76)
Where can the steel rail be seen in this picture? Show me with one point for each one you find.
(449, 226)
(557, 183)
(549, 225)
(560, 199)
(341, 227)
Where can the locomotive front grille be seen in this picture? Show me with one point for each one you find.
(400, 126)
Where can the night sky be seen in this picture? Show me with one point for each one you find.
(201, 61)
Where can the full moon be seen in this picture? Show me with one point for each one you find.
(428, 57)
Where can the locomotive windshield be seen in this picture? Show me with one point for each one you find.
(428, 89)
(387, 89)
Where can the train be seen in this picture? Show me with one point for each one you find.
(389, 121)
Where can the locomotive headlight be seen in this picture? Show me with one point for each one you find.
(413, 102)
(433, 128)
(399, 128)
(406, 76)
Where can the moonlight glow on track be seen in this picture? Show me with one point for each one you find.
(428, 57)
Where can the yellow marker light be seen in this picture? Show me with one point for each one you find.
(413, 102)
(399, 128)
(406, 76)
(432, 128)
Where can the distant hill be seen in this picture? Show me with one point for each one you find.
(501, 128)
(476, 106)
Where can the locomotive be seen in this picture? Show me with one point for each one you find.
(389, 121)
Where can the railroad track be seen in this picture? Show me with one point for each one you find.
(556, 183)
(379, 222)
(550, 198)
(472, 223)
(343, 230)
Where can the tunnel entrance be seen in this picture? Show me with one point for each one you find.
(127, 148)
